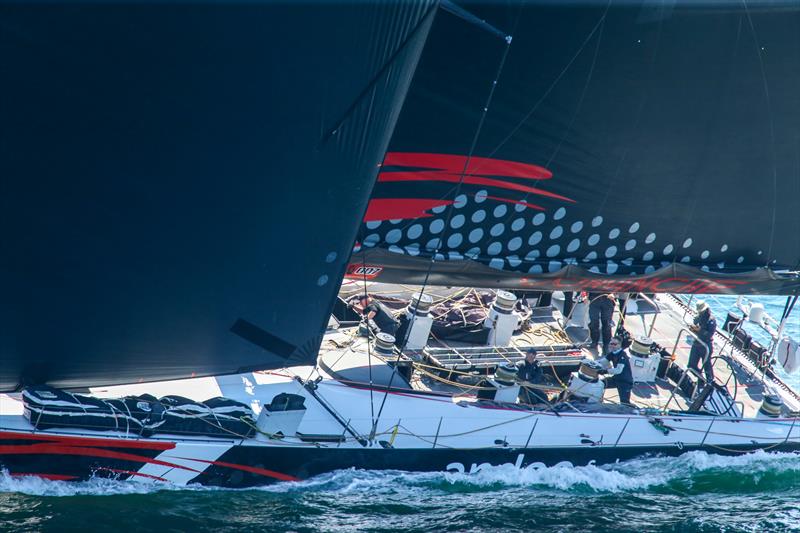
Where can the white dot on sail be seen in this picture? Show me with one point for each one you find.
(436, 226)
(573, 245)
(497, 263)
(393, 236)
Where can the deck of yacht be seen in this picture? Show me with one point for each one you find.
(664, 319)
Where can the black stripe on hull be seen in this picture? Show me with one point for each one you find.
(305, 463)
(250, 466)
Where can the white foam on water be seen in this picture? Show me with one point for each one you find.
(36, 486)
(633, 475)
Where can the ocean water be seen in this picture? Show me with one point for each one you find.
(697, 492)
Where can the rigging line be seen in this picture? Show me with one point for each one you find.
(771, 131)
(449, 215)
(369, 348)
(602, 204)
(552, 85)
(578, 107)
(580, 100)
(460, 12)
(378, 75)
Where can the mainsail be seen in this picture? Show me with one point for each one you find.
(645, 146)
(183, 182)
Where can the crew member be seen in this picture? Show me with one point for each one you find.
(704, 327)
(618, 363)
(601, 313)
(530, 371)
(377, 312)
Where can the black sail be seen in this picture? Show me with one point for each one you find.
(182, 182)
(639, 145)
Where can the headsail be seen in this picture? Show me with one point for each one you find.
(183, 182)
(645, 146)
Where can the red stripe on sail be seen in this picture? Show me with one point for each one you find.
(427, 175)
(483, 166)
(401, 208)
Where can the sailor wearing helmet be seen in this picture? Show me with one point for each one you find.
(704, 327)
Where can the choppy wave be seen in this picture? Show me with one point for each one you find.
(694, 471)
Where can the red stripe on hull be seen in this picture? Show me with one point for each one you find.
(252, 469)
(56, 449)
(88, 441)
(132, 473)
(52, 477)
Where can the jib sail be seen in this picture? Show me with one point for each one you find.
(645, 146)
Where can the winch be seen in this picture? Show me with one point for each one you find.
(419, 321)
(771, 406)
(504, 385)
(644, 363)
(384, 344)
(501, 321)
(586, 384)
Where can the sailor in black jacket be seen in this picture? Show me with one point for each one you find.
(619, 366)
(530, 371)
(377, 312)
(704, 327)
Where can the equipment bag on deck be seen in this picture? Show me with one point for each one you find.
(47, 407)
(217, 417)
